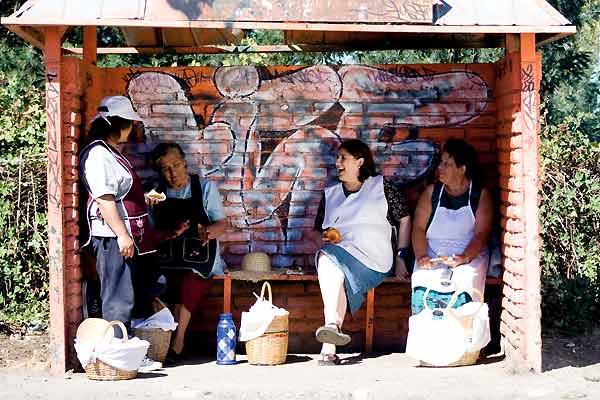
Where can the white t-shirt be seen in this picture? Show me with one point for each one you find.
(103, 174)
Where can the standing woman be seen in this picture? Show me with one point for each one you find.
(357, 217)
(453, 219)
(120, 234)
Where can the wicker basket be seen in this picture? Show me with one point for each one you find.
(100, 371)
(159, 340)
(271, 347)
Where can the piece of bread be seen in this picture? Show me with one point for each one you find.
(153, 194)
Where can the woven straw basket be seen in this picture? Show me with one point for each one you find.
(469, 357)
(100, 371)
(271, 347)
(159, 340)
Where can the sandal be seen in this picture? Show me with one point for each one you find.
(329, 359)
(332, 334)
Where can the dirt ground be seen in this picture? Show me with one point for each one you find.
(571, 364)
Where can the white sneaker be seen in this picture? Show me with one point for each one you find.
(149, 364)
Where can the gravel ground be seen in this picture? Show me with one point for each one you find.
(572, 372)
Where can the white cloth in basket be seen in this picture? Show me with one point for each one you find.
(162, 319)
(126, 356)
(256, 321)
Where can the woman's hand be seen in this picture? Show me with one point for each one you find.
(126, 247)
(184, 226)
(424, 262)
(206, 233)
(401, 270)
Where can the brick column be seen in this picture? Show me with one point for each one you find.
(517, 94)
(72, 92)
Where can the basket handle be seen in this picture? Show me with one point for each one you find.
(262, 291)
(125, 338)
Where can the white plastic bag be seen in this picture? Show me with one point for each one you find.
(256, 321)
(438, 342)
(474, 317)
(162, 319)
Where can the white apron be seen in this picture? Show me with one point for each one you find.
(449, 234)
(361, 219)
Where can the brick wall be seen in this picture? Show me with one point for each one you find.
(303, 301)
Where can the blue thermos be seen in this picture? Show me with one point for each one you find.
(226, 340)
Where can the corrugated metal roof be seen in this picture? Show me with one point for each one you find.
(157, 25)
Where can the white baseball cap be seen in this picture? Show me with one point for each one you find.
(119, 106)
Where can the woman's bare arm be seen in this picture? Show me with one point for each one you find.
(483, 226)
(419, 229)
(110, 214)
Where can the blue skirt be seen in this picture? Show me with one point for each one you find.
(358, 278)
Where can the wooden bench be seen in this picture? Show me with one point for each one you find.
(275, 276)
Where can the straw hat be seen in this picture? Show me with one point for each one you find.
(93, 330)
(256, 262)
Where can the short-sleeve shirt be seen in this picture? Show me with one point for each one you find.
(397, 207)
(213, 205)
(103, 175)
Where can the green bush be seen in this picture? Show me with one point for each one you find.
(570, 222)
(23, 249)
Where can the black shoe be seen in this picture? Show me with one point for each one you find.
(173, 359)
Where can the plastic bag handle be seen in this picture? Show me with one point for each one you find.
(262, 291)
(478, 293)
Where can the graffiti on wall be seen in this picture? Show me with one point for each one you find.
(272, 136)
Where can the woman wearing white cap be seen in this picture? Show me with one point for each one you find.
(120, 233)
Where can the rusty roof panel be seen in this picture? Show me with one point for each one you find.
(371, 11)
(396, 11)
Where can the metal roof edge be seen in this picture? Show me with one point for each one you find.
(320, 26)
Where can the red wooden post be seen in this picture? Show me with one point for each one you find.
(227, 294)
(90, 45)
(369, 320)
(56, 217)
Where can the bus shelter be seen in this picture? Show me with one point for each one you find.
(266, 135)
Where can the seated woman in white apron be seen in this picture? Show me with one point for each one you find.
(453, 219)
(364, 209)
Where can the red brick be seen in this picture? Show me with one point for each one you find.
(514, 239)
(513, 252)
(516, 295)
